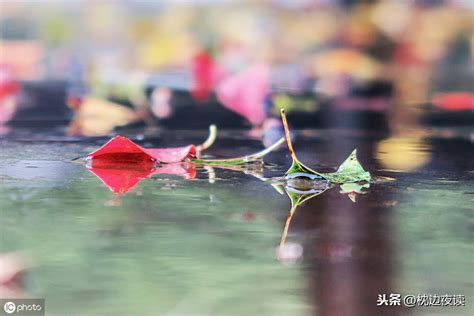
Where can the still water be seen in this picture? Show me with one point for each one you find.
(204, 241)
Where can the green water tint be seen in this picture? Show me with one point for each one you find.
(167, 247)
(178, 247)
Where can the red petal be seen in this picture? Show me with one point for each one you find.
(120, 146)
(175, 154)
(123, 149)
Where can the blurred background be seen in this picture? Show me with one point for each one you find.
(190, 63)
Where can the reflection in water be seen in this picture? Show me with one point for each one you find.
(121, 177)
(403, 154)
(353, 189)
(348, 252)
(13, 269)
(351, 258)
(297, 198)
(301, 187)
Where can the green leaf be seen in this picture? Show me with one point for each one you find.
(349, 171)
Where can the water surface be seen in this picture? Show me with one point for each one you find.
(206, 243)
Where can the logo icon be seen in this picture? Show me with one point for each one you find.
(9, 307)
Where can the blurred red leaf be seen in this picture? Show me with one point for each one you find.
(454, 101)
(9, 89)
(245, 92)
(202, 67)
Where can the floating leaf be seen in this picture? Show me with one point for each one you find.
(122, 149)
(349, 171)
(121, 163)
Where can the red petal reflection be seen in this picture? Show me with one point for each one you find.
(121, 176)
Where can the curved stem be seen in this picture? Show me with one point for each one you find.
(241, 160)
(211, 138)
(287, 134)
(296, 165)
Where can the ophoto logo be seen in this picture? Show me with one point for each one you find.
(9, 307)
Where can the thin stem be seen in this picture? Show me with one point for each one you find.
(211, 138)
(287, 225)
(296, 163)
(287, 134)
(241, 160)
